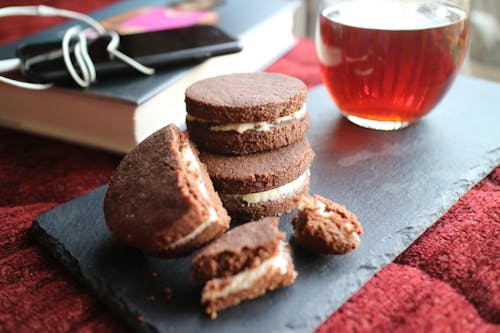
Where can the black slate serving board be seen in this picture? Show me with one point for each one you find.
(398, 183)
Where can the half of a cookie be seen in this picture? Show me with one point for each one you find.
(325, 227)
(245, 113)
(243, 264)
(261, 184)
(161, 200)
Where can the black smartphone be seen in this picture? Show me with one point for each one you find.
(43, 63)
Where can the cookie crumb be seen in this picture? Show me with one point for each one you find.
(213, 315)
(167, 292)
(325, 227)
(140, 318)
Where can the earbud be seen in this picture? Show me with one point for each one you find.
(82, 57)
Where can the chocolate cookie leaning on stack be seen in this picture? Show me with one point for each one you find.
(250, 130)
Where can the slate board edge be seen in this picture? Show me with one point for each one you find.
(103, 291)
(481, 171)
(58, 251)
(123, 313)
(459, 189)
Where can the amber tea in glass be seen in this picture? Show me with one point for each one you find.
(387, 63)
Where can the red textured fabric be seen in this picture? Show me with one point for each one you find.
(405, 299)
(448, 280)
(463, 249)
(14, 27)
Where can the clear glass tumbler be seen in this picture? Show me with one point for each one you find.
(387, 63)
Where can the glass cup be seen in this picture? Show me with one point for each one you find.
(387, 63)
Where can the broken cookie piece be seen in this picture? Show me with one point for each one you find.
(243, 264)
(325, 227)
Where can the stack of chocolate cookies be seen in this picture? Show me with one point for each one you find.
(250, 130)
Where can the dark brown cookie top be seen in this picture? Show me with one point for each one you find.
(151, 200)
(260, 171)
(245, 97)
(325, 227)
(240, 248)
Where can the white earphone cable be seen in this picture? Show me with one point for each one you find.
(82, 57)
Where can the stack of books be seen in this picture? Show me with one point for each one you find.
(115, 114)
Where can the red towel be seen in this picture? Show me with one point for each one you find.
(448, 280)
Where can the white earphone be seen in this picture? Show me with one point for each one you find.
(82, 57)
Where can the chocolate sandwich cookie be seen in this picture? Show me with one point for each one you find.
(261, 184)
(243, 264)
(160, 198)
(247, 112)
(325, 227)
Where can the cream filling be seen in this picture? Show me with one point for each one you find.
(277, 193)
(198, 230)
(346, 227)
(192, 164)
(247, 279)
(253, 126)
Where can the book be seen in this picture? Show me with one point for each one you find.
(116, 114)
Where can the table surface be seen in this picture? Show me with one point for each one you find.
(447, 279)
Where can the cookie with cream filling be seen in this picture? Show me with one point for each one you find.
(161, 200)
(243, 264)
(261, 184)
(246, 112)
